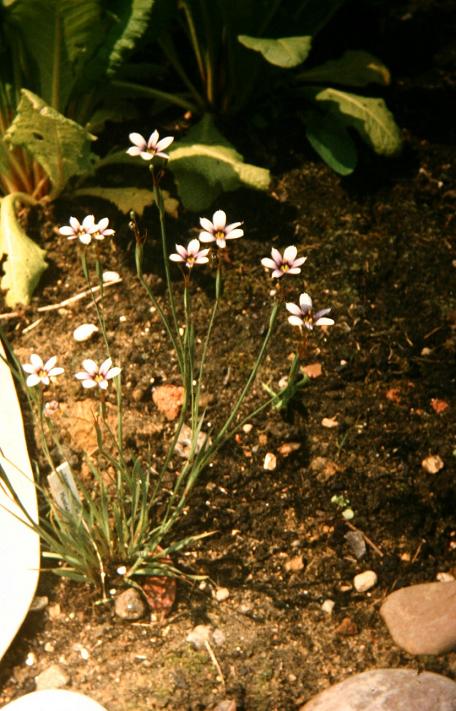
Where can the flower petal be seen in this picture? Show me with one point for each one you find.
(290, 253)
(134, 151)
(88, 383)
(295, 321)
(193, 246)
(163, 144)
(85, 238)
(90, 367)
(268, 263)
(113, 372)
(36, 361)
(235, 234)
(277, 257)
(324, 321)
(55, 371)
(206, 237)
(305, 302)
(32, 380)
(206, 224)
(293, 309)
(137, 140)
(221, 243)
(219, 220)
(105, 366)
(177, 258)
(153, 140)
(66, 231)
(50, 363)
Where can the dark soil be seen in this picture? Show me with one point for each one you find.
(381, 254)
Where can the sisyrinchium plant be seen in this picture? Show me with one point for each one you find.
(123, 525)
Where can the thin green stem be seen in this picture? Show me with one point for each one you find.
(250, 379)
(161, 211)
(150, 93)
(194, 39)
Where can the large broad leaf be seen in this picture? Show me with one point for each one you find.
(127, 199)
(205, 164)
(130, 19)
(368, 116)
(24, 262)
(353, 68)
(285, 52)
(331, 140)
(60, 145)
(58, 35)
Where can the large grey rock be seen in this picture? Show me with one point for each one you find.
(388, 690)
(422, 618)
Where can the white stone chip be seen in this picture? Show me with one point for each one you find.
(365, 581)
(270, 461)
(110, 276)
(84, 332)
(328, 606)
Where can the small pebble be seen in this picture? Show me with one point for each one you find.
(365, 581)
(219, 637)
(270, 462)
(30, 659)
(84, 332)
(445, 577)
(48, 647)
(39, 602)
(54, 611)
(221, 594)
(138, 394)
(426, 351)
(110, 276)
(432, 464)
(199, 636)
(248, 427)
(129, 605)
(54, 677)
(328, 606)
(355, 540)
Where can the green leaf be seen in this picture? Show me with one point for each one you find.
(128, 198)
(58, 35)
(353, 68)
(205, 164)
(60, 145)
(285, 52)
(25, 263)
(332, 142)
(370, 117)
(131, 18)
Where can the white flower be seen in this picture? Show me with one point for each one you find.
(218, 231)
(286, 264)
(303, 315)
(190, 255)
(151, 148)
(102, 229)
(93, 376)
(40, 372)
(83, 231)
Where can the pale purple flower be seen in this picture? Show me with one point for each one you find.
(218, 231)
(83, 231)
(93, 376)
(51, 407)
(40, 372)
(190, 255)
(103, 230)
(286, 264)
(151, 148)
(303, 315)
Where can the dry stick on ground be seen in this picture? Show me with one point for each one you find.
(61, 304)
(214, 661)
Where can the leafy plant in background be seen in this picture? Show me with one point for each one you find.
(123, 526)
(226, 57)
(55, 72)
